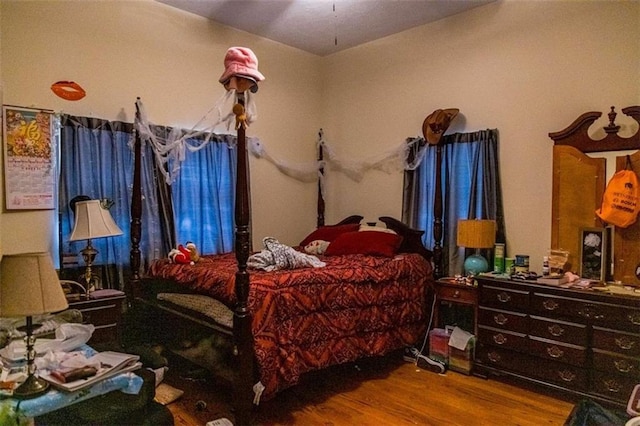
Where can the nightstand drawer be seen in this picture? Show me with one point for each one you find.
(105, 315)
(458, 294)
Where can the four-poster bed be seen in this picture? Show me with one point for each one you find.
(291, 321)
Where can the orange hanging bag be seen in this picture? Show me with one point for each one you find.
(621, 199)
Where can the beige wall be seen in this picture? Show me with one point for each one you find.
(118, 50)
(1, 135)
(524, 67)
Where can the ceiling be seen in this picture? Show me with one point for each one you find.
(323, 27)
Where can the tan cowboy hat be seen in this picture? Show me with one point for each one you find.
(437, 123)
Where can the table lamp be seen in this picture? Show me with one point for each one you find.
(476, 234)
(92, 220)
(30, 286)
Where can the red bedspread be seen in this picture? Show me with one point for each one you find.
(307, 319)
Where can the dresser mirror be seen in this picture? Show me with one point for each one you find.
(579, 180)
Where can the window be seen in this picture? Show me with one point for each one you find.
(96, 160)
(470, 189)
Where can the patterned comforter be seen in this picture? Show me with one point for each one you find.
(307, 319)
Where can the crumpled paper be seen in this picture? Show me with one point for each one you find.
(68, 337)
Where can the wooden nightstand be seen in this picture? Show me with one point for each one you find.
(455, 295)
(105, 314)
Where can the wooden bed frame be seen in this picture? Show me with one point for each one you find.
(241, 332)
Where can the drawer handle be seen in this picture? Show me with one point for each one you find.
(456, 294)
(550, 305)
(503, 297)
(612, 386)
(634, 318)
(623, 366)
(555, 352)
(494, 357)
(567, 375)
(590, 311)
(499, 338)
(624, 343)
(555, 330)
(500, 319)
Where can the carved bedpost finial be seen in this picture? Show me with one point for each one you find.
(612, 128)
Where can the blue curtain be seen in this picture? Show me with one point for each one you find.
(203, 197)
(471, 189)
(97, 161)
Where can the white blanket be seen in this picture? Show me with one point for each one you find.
(277, 256)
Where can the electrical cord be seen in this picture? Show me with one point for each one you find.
(426, 335)
(428, 363)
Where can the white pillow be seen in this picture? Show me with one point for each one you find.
(376, 229)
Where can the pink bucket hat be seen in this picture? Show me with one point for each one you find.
(242, 62)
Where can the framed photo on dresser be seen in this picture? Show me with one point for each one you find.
(593, 253)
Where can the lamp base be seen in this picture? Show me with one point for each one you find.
(30, 388)
(475, 264)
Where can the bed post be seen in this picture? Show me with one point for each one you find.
(136, 214)
(243, 342)
(437, 216)
(320, 217)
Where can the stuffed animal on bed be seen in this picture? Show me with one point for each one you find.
(193, 251)
(316, 247)
(180, 255)
(185, 254)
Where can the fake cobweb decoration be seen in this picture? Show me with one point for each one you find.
(171, 150)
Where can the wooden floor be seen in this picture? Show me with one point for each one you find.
(383, 391)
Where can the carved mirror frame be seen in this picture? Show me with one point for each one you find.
(579, 182)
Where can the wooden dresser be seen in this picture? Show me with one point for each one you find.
(579, 341)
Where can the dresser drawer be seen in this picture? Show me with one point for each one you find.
(623, 318)
(613, 316)
(591, 312)
(506, 359)
(616, 341)
(568, 376)
(612, 386)
(503, 338)
(565, 375)
(504, 298)
(615, 363)
(557, 351)
(552, 306)
(561, 331)
(511, 321)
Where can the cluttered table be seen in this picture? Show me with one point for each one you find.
(117, 374)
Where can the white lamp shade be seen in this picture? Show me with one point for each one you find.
(29, 286)
(93, 221)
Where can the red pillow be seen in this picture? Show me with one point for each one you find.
(329, 233)
(365, 242)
